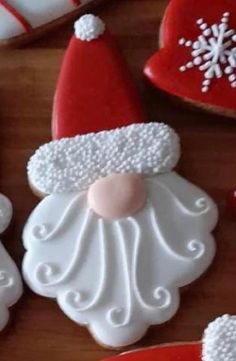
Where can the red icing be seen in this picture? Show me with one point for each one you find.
(95, 90)
(76, 2)
(163, 67)
(20, 18)
(182, 352)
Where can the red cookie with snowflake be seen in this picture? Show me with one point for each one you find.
(197, 59)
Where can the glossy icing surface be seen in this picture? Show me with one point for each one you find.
(119, 276)
(36, 13)
(5, 212)
(106, 95)
(95, 268)
(197, 58)
(10, 281)
(9, 25)
(180, 352)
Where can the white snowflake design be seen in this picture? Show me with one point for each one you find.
(213, 52)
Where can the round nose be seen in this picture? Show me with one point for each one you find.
(117, 196)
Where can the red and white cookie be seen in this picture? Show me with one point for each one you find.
(218, 344)
(23, 19)
(10, 280)
(118, 232)
(197, 59)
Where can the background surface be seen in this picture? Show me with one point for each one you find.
(38, 329)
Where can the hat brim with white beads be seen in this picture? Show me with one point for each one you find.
(95, 89)
(73, 164)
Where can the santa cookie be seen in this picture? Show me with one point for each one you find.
(218, 344)
(197, 59)
(119, 232)
(10, 281)
(22, 20)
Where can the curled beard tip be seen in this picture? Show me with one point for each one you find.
(6, 280)
(196, 248)
(46, 272)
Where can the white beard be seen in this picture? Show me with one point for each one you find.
(119, 277)
(10, 280)
(10, 285)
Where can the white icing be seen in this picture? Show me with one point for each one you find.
(219, 341)
(73, 164)
(213, 52)
(37, 13)
(10, 281)
(119, 277)
(89, 27)
(74, 298)
(9, 26)
(5, 212)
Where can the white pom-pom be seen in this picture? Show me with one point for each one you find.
(219, 341)
(89, 27)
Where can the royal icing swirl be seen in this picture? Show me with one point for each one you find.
(94, 267)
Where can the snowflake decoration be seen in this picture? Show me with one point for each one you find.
(213, 52)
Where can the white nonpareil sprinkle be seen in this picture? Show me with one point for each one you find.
(219, 340)
(73, 164)
(213, 52)
(89, 27)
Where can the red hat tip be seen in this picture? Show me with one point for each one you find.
(89, 27)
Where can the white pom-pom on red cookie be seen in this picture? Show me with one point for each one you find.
(89, 27)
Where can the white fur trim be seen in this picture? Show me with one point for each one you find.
(219, 341)
(73, 164)
(89, 27)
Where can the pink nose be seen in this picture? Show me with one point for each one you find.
(117, 196)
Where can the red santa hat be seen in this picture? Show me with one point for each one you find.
(99, 125)
(95, 90)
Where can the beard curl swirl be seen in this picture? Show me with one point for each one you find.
(46, 272)
(6, 280)
(119, 312)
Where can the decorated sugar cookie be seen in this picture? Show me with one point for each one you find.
(10, 281)
(197, 59)
(218, 344)
(119, 231)
(24, 19)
